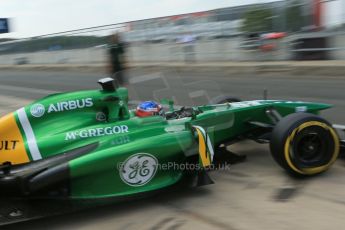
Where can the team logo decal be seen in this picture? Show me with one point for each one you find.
(138, 169)
(37, 110)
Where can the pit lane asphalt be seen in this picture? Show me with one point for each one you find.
(256, 194)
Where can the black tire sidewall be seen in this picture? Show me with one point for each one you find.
(283, 130)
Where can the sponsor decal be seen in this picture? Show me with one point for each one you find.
(70, 105)
(96, 132)
(8, 144)
(37, 110)
(100, 116)
(12, 148)
(301, 109)
(121, 140)
(293, 102)
(245, 104)
(138, 169)
(175, 128)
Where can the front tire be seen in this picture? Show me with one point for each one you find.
(304, 144)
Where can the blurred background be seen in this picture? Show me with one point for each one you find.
(191, 51)
(264, 31)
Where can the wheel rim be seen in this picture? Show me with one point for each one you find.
(311, 147)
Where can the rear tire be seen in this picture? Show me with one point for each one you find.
(304, 144)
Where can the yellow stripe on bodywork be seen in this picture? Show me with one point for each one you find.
(313, 170)
(12, 148)
(205, 159)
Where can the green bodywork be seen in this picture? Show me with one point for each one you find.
(76, 119)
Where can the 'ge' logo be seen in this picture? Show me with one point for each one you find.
(138, 169)
(37, 110)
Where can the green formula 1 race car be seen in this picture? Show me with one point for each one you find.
(88, 146)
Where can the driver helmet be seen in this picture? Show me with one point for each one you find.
(148, 108)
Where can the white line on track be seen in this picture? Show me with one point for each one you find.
(336, 126)
(27, 90)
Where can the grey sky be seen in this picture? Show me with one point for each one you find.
(36, 17)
